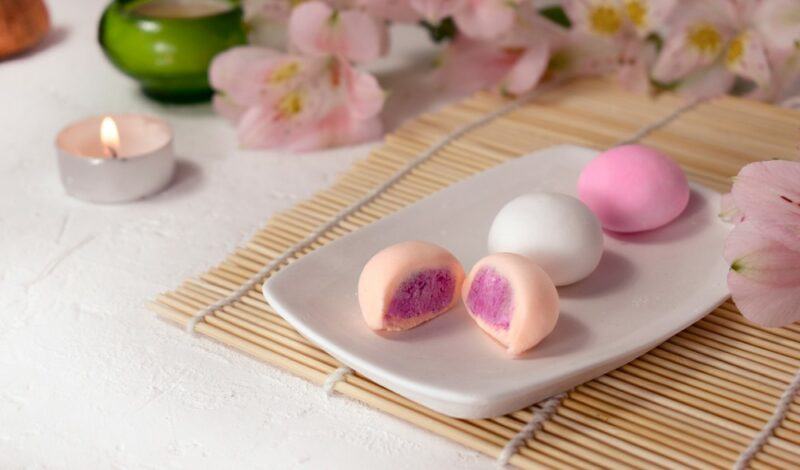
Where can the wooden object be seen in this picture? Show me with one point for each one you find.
(695, 401)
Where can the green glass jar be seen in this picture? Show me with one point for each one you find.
(167, 45)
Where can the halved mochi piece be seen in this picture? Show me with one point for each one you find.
(512, 299)
(409, 283)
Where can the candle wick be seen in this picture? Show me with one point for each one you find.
(112, 152)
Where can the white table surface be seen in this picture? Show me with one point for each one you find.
(91, 379)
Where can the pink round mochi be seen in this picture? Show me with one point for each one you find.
(512, 299)
(633, 188)
(407, 284)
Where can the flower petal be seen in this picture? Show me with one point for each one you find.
(746, 56)
(765, 305)
(696, 38)
(364, 95)
(757, 256)
(596, 17)
(338, 127)
(528, 70)
(636, 58)
(585, 55)
(765, 276)
(707, 83)
(239, 72)
(485, 19)
(227, 108)
(318, 30)
(310, 28)
(468, 65)
(656, 14)
(768, 193)
(260, 128)
(779, 22)
(363, 38)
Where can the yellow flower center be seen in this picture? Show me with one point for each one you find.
(637, 12)
(291, 104)
(605, 19)
(705, 38)
(735, 50)
(284, 73)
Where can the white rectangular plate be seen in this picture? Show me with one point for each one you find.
(648, 287)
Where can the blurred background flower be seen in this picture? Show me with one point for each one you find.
(697, 48)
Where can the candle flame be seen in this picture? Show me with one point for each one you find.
(109, 136)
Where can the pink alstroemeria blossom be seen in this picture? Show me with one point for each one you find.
(768, 194)
(266, 22)
(514, 62)
(764, 280)
(764, 246)
(316, 29)
(608, 36)
(709, 44)
(467, 66)
(616, 18)
(779, 23)
(295, 102)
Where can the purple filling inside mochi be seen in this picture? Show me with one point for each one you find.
(421, 293)
(490, 298)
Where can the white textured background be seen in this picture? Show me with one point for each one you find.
(88, 377)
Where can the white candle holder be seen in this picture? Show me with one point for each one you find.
(139, 163)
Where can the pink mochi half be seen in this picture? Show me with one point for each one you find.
(512, 299)
(407, 284)
(633, 188)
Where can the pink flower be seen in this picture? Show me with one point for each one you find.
(607, 37)
(316, 29)
(709, 44)
(468, 65)
(515, 61)
(778, 21)
(615, 18)
(764, 246)
(266, 22)
(295, 102)
(765, 276)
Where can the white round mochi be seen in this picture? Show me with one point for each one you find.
(558, 232)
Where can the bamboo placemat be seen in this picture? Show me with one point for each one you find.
(695, 401)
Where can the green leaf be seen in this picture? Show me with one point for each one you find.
(557, 15)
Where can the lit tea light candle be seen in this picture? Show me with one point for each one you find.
(109, 137)
(115, 158)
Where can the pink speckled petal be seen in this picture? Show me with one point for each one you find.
(768, 194)
(765, 276)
